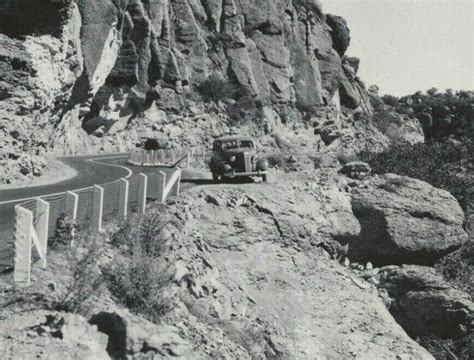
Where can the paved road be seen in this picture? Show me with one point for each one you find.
(91, 170)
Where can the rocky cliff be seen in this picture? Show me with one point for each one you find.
(103, 75)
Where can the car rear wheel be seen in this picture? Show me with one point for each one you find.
(264, 178)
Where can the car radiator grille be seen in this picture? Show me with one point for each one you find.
(248, 162)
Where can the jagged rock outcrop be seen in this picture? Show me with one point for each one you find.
(50, 334)
(427, 307)
(77, 73)
(38, 73)
(339, 32)
(404, 220)
(132, 336)
(425, 304)
(351, 89)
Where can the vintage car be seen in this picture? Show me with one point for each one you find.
(236, 156)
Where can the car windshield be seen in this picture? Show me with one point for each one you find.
(236, 144)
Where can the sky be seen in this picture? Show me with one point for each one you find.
(410, 45)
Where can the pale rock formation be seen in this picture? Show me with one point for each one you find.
(404, 220)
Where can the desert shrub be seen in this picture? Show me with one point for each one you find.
(139, 272)
(317, 161)
(65, 234)
(216, 88)
(452, 112)
(152, 144)
(390, 100)
(276, 160)
(135, 280)
(86, 279)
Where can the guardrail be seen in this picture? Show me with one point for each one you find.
(36, 220)
(165, 157)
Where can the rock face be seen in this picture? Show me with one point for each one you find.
(351, 89)
(47, 333)
(339, 32)
(426, 306)
(405, 220)
(77, 74)
(132, 336)
(37, 75)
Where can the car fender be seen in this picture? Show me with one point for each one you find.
(262, 164)
(225, 168)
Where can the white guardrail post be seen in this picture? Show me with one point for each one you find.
(72, 201)
(142, 191)
(161, 187)
(97, 207)
(28, 230)
(22, 269)
(188, 159)
(177, 180)
(41, 225)
(123, 198)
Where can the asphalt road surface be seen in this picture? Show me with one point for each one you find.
(91, 170)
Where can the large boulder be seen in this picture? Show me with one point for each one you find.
(352, 91)
(340, 33)
(425, 305)
(404, 220)
(134, 336)
(75, 334)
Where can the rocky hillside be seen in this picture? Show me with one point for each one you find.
(103, 75)
(301, 267)
(223, 272)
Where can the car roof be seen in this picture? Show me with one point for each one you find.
(234, 137)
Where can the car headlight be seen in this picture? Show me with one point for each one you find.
(232, 158)
(262, 165)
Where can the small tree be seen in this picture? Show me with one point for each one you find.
(216, 88)
(390, 100)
